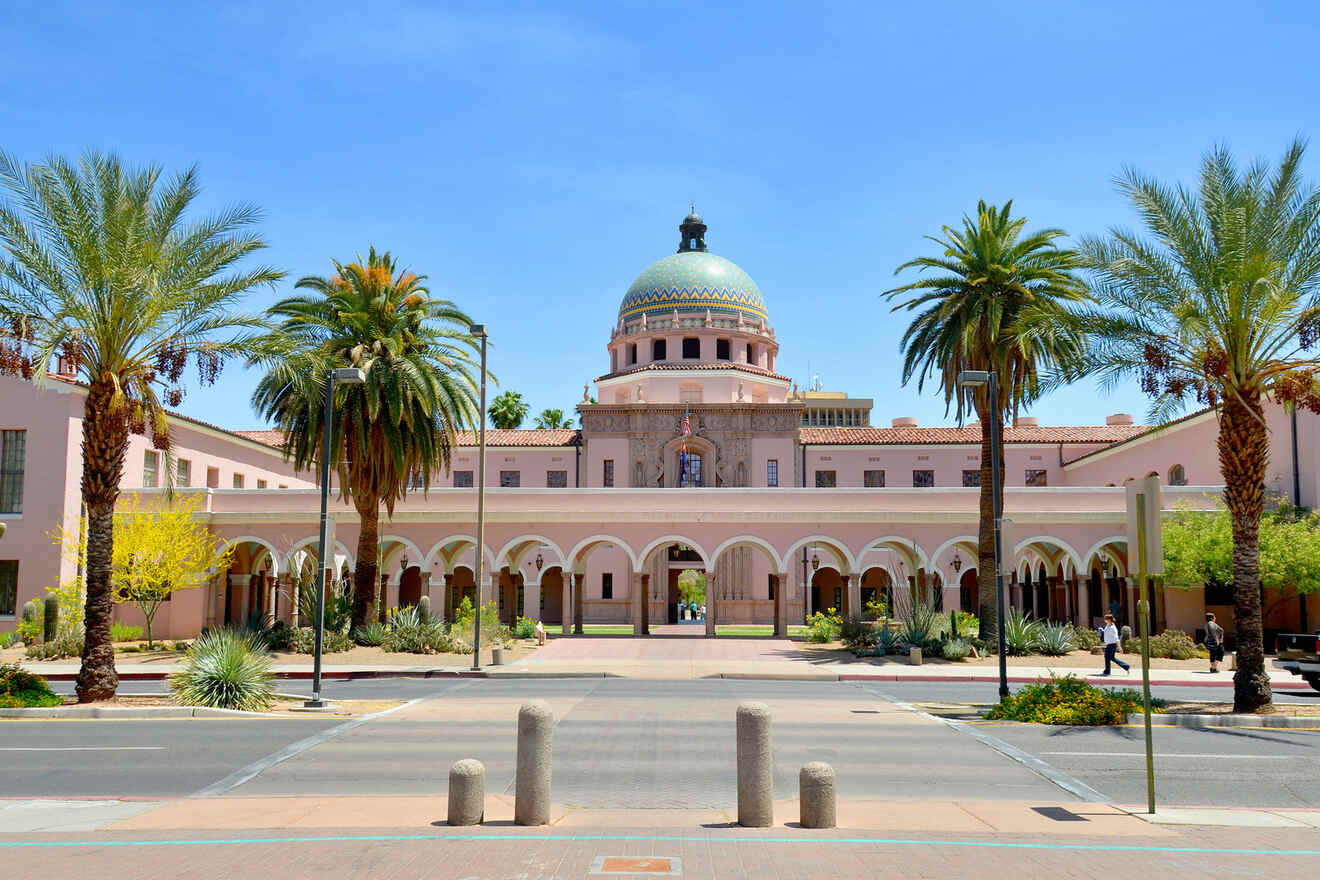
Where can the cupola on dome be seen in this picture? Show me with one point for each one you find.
(693, 280)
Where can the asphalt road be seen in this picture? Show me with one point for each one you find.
(647, 743)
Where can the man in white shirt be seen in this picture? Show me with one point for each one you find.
(1110, 637)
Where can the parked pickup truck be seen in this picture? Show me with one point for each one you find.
(1299, 653)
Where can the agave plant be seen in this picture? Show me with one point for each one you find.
(1021, 633)
(370, 634)
(226, 669)
(956, 649)
(1055, 639)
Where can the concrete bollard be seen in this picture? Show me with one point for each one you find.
(756, 784)
(914, 656)
(1231, 657)
(467, 792)
(497, 656)
(816, 797)
(531, 804)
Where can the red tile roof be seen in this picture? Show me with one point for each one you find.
(970, 434)
(679, 365)
(494, 437)
(269, 438)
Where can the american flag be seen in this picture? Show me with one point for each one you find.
(687, 426)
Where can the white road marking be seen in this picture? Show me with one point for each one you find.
(1163, 755)
(81, 748)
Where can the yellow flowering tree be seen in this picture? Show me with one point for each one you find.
(161, 549)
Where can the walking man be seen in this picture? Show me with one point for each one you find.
(1111, 646)
(1214, 641)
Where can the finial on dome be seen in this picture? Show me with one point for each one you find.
(693, 229)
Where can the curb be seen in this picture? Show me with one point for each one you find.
(1201, 722)
(129, 712)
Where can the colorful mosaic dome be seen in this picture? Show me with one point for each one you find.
(693, 280)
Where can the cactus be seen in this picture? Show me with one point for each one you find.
(424, 609)
(52, 623)
(31, 609)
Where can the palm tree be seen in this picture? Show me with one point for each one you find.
(1219, 302)
(553, 418)
(102, 270)
(508, 411)
(401, 425)
(1001, 302)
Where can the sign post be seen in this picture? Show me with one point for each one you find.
(1146, 554)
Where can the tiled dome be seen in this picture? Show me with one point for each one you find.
(693, 280)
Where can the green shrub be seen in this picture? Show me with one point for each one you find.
(857, 634)
(179, 646)
(1171, 644)
(956, 649)
(1085, 638)
(918, 624)
(824, 626)
(338, 605)
(878, 607)
(524, 628)
(226, 669)
(20, 689)
(279, 636)
(370, 634)
(123, 632)
(1069, 700)
(66, 644)
(1055, 639)
(1021, 633)
(417, 638)
(9, 639)
(303, 641)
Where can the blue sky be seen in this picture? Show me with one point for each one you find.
(533, 159)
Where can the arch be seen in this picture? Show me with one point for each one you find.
(1099, 548)
(673, 539)
(387, 559)
(511, 552)
(434, 554)
(967, 542)
(1049, 539)
(276, 560)
(776, 563)
(847, 564)
(586, 543)
(1177, 475)
(311, 541)
(907, 546)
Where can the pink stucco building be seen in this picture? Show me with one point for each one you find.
(791, 501)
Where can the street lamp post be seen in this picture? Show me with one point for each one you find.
(971, 378)
(345, 376)
(479, 330)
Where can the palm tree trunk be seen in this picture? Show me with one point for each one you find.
(1243, 458)
(368, 549)
(105, 442)
(985, 539)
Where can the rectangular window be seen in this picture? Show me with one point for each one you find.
(607, 585)
(510, 479)
(691, 348)
(826, 479)
(632, 353)
(184, 472)
(261, 484)
(150, 468)
(8, 586)
(238, 481)
(721, 349)
(607, 478)
(556, 479)
(873, 479)
(972, 479)
(751, 354)
(1037, 477)
(13, 454)
(770, 585)
(923, 479)
(213, 478)
(657, 349)
(283, 486)
(772, 472)
(462, 479)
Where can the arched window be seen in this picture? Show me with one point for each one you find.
(1177, 476)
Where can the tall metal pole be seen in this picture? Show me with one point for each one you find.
(481, 509)
(1143, 606)
(316, 702)
(997, 490)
